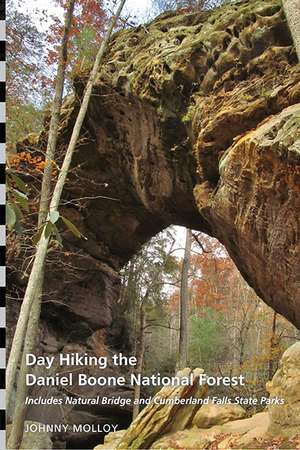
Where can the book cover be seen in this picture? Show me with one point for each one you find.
(152, 183)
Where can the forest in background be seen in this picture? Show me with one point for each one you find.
(231, 331)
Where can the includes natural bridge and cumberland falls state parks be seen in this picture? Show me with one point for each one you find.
(194, 121)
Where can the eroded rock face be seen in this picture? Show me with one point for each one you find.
(209, 415)
(255, 209)
(163, 415)
(191, 123)
(285, 419)
(236, 434)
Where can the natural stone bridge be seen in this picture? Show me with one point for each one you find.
(194, 121)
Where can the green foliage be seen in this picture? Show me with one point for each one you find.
(144, 283)
(51, 229)
(22, 120)
(72, 227)
(188, 117)
(17, 200)
(207, 339)
(85, 47)
(147, 273)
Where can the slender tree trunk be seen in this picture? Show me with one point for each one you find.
(33, 321)
(235, 341)
(128, 299)
(184, 303)
(171, 335)
(135, 338)
(42, 246)
(273, 345)
(54, 122)
(17, 429)
(292, 12)
(140, 362)
(255, 378)
(241, 358)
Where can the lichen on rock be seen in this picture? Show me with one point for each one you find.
(170, 126)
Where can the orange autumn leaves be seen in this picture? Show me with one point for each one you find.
(88, 25)
(212, 277)
(33, 164)
(211, 287)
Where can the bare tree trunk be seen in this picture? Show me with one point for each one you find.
(255, 378)
(171, 334)
(292, 12)
(42, 246)
(184, 303)
(33, 321)
(235, 341)
(241, 357)
(273, 344)
(140, 362)
(17, 429)
(54, 122)
(128, 301)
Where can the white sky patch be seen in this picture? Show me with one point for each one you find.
(41, 12)
(138, 8)
(35, 8)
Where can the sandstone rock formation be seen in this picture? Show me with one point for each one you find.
(111, 440)
(285, 419)
(238, 434)
(209, 428)
(164, 416)
(194, 121)
(190, 123)
(209, 415)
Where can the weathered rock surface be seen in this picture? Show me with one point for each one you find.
(257, 204)
(163, 415)
(279, 425)
(285, 419)
(236, 434)
(190, 123)
(209, 415)
(111, 440)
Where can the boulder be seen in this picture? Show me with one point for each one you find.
(285, 385)
(111, 440)
(226, 435)
(157, 419)
(209, 415)
(203, 427)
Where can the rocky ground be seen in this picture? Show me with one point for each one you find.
(219, 426)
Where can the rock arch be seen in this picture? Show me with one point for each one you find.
(194, 121)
